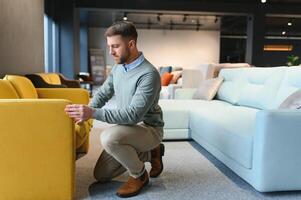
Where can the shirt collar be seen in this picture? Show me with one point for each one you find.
(134, 64)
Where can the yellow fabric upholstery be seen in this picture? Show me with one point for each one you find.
(39, 141)
(76, 96)
(23, 86)
(51, 78)
(7, 91)
(45, 77)
(37, 150)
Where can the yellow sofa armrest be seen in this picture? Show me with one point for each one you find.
(37, 149)
(75, 95)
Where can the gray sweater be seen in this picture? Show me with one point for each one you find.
(137, 93)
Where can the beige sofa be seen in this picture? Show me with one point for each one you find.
(192, 77)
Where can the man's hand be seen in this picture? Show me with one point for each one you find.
(79, 112)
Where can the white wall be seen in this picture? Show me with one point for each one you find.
(21, 36)
(182, 48)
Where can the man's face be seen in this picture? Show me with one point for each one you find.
(119, 48)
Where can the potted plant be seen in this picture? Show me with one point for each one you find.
(292, 60)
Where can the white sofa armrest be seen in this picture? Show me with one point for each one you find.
(185, 93)
(277, 150)
(172, 89)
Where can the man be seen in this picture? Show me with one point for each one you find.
(137, 136)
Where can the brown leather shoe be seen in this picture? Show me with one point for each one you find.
(133, 186)
(156, 161)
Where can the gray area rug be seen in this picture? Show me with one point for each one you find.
(190, 173)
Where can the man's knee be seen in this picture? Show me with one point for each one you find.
(109, 137)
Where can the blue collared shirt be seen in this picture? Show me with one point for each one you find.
(134, 64)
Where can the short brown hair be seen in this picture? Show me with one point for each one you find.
(124, 28)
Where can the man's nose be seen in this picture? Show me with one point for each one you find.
(112, 52)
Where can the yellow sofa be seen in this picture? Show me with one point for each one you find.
(38, 140)
(52, 80)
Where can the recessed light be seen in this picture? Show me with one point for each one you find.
(289, 23)
(283, 32)
(125, 17)
(263, 1)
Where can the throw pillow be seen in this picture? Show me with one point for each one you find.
(163, 70)
(166, 78)
(176, 76)
(208, 89)
(292, 102)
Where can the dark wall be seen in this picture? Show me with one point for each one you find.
(232, 50)
(21, 32)
(278, 58)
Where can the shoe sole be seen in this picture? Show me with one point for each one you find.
(162, 150)
(135, 193)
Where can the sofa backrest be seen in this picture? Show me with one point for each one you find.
(7, 91)
(191, 78)
(22, 86)
(214, 68)
(256, 87)
(51, 78)
(291, 82)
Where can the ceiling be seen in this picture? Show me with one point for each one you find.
(156, 20)
(228, 24)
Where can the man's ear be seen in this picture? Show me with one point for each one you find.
(132, 43)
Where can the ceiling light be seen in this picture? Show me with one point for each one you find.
(263, 1)
(125, 17)
(278, 47)
(283, 32)
(289, 23)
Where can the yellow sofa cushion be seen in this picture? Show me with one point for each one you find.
(51, 78)
(7, 91)
(23, 86)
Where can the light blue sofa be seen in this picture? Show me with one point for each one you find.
(243, 126)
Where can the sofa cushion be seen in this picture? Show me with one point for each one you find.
(166, 78)
(291, 83)
(254, 87)
(208, 89)
(51, 78)
(175, 114)
(215, 68)
(228, 128)
(163, 70)
(23, 86)
(292, 102)
(260, 87)
(7, 91)
(230, 89)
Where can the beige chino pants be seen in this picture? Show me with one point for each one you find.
(126, 147)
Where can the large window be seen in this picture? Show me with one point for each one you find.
(51, 45)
